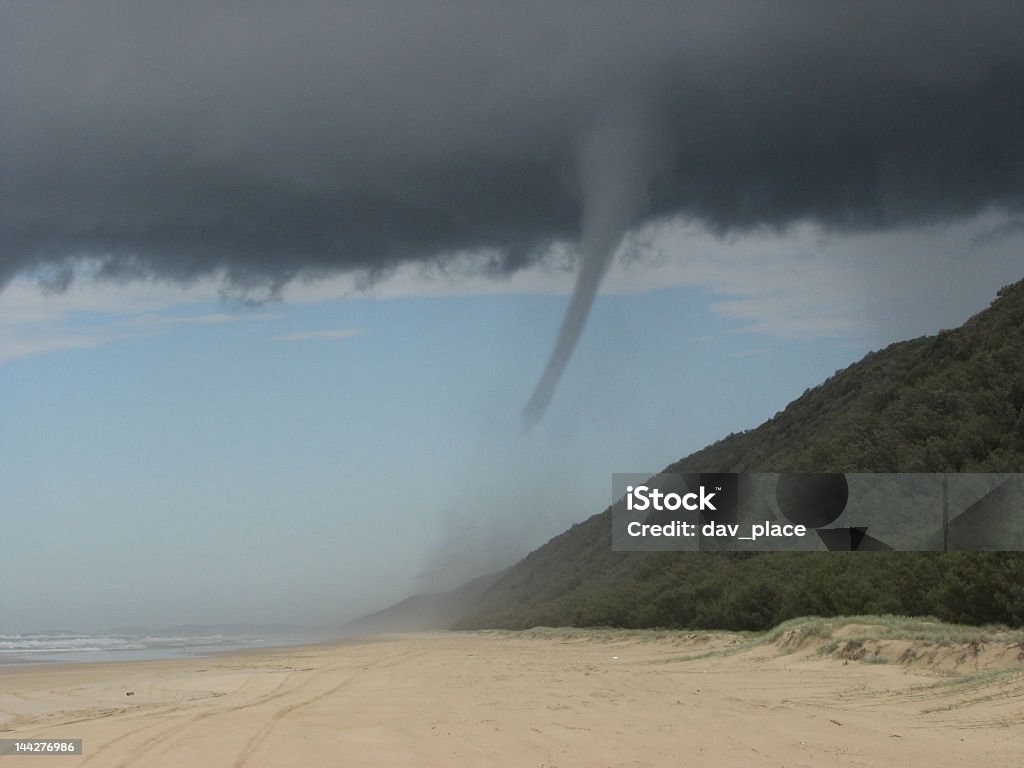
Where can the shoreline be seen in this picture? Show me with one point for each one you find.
(153, 652)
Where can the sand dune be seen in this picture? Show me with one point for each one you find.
(543, 698)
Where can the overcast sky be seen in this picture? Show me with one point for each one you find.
(278, 279)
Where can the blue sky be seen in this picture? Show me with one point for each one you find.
(170, 455)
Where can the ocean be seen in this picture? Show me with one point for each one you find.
(62, 646)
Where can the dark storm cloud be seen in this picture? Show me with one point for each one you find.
(270, 140)
(179, 138)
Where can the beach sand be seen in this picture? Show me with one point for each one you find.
(541, 698)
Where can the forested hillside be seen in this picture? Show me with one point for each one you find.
(946, 403)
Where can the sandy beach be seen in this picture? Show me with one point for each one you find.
(544, 698)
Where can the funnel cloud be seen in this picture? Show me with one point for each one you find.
(617, 163)
(266, 142)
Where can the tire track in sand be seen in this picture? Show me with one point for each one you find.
(257, 741)
(161, 742)
(184, 721)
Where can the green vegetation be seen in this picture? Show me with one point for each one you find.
(864, 628)
(947, 403)
(950, 648)
(953, 402)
